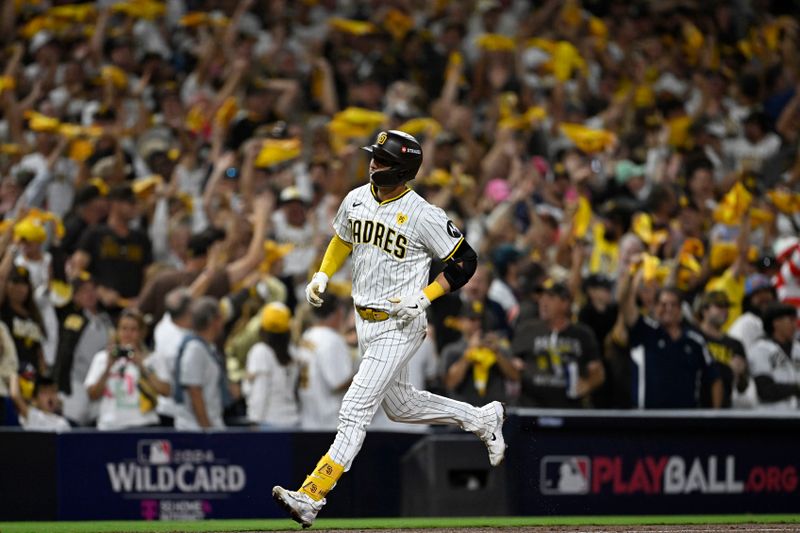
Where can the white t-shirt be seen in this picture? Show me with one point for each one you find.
(270, 388)
(38, 420)
(297, 261)
(747, 329)
(167, 338)
(325, 366)
(119, 405)
(199, 368)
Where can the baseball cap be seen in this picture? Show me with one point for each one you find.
(292, 194)
(557, 288)
(199, 243)
(80, 280)
(627, 169)
(122, 193)
(597, 280)
(472, 309)
(30, 231)
(718, 298)
(755, 283)
(775, 311)
(275, 318)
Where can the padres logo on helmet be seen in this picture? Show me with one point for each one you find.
(382, 137)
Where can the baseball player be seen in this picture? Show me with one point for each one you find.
(393, 233)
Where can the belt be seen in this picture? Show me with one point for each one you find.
(372, 315)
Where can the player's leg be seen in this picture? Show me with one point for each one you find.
(387, 353)
(387, 350)
(404, 403)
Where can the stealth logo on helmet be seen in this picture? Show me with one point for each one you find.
(400, 153)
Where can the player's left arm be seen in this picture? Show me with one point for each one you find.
(459, 268)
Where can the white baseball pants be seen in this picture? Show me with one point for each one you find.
(386, 348)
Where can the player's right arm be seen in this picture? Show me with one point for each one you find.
(335, 256)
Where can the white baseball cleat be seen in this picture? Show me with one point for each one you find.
(302, 508)
(493, 438)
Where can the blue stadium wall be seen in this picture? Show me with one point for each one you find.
(559, 463)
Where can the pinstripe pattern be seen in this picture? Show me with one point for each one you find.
(381, 271)
(377, 274)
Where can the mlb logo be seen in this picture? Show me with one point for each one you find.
(155, 452)
(565, 474)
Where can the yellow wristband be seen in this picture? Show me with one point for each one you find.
(433, 291)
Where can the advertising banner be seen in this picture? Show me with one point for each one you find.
(171, 476)
(572, 470)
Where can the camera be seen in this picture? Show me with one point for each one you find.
(123, 351)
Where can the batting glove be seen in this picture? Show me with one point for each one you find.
(409, 307)
(315, 288)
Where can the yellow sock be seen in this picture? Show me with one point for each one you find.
(320, 482)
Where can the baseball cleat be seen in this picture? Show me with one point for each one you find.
(299, 505)
(493, 438)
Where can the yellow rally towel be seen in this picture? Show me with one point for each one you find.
(587, 139)
(733, 205)
(482, 361)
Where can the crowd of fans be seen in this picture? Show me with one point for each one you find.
(627, 171)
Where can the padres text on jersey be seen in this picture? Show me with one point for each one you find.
(393, 242)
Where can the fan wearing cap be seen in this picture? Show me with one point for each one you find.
(292, 224)
(89, 208)
(115, 253)
(559, 358)
(477, 366)
(775, 359)
(83, 331)
(670, 357)
(30, 236)
(730, 360)
(758, 294)
(273, 372)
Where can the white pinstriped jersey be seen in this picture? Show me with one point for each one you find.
(393, 243)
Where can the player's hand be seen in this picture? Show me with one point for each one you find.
(409, 307)
(315, 288)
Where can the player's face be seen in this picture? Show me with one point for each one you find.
(376, 164)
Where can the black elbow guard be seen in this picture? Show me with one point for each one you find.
(461, 266)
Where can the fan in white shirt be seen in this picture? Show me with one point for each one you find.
(272, 372)
(167, 337)
(43, 414)
(126, 381)
(326, 367)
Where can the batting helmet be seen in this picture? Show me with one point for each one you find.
(400, 152)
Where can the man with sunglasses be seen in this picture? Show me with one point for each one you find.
(392, 234)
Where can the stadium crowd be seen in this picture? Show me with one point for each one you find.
(627, 171)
